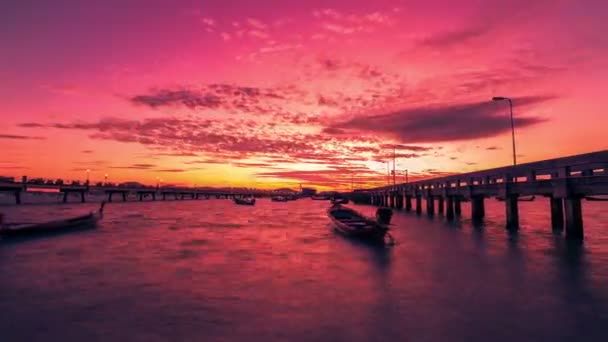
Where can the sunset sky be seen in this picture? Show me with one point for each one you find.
(276, 93)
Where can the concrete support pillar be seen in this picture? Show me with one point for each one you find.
(418, 205)
(65, 197)
(440, 205)
(385, 199)
(141, 196)
(164, 196)
(154, 196)
(449, 211)
(110, 196)
(477, 208)
(408, 203)
(124, 196)
(400, 201)
(82, 197)
(430, 205)
(557, 214)
(574, 218)
(457, 206)
(18, 197)
(512, 212)
(391, 200)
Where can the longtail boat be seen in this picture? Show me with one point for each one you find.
(244, 201)
(16, 230)
(351, 223)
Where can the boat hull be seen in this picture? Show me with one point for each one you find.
(350, 223)
(88, 221)
(241, 201)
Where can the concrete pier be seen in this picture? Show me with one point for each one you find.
(457, 206)
(440, 205)
(408, 203)
(557, 214)
(566, 181)
(449, 212)
(477, 208)
(430, 206)
(574, 218)
(512, 212)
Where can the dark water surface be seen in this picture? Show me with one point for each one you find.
(211, 271)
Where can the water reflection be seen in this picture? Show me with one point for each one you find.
(278, 271)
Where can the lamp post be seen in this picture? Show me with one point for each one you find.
(501, 98)
(88, 173)
(105, 182)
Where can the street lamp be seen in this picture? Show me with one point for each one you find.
(88, 173)
(501, 98)
(105, 179)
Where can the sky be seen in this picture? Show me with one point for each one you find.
(271, 94)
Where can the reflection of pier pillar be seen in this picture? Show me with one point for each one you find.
(512, 212)
(385, 204)
(574, 218)
(457, 206)
(408, 203)
(449, 212)
(65, 197)
(18, 197)
(82, 198)
(391, 200)
(154, 196)
(477, 208)
(141, 196)
(557, 214)
(440, 205)
(124, 196)
(110, 196)
(430, 205)
(418, 204)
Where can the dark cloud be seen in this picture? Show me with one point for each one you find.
(86, 151)
(30, 125)
(445, 123)
(188, 98)
(450, 38)
(135, 166)
(20, 137)
(493, 148)
(172, 170)
(400, 147)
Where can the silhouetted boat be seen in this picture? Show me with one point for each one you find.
(15, 230)
(351, 223)
(520, 199)
(278, 199)
(596, 199)
(319, 198)
(244, 201)
(339, 201)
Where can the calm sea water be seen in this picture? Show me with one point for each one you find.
(209, 270)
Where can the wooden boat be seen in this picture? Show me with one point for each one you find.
(519, 199)
(339, 201)
(244, 201)
(351, 223)
(278, 199)
(16, 230)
